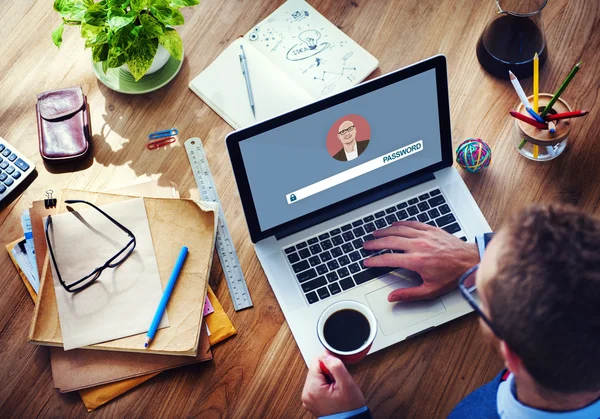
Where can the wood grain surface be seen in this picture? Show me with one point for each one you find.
(260, 372)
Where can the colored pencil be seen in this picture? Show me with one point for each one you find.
(522, 144)
(519, 89)
(561, 89)
(552, 127)
(536, 82)
(535, 151)
(529, 120)
(535, 115)
(160, 310)
(565, 115)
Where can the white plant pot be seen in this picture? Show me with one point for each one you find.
(160, 59)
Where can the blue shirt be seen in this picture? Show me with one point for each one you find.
(509, 407)
(345, 415)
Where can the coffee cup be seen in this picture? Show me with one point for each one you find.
(347, 329)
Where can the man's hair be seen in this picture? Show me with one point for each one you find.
(545, 298)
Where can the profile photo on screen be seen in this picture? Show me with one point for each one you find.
(348, 137)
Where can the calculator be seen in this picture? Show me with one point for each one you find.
(14, 168)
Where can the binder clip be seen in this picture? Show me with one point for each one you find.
(49, 202)
(163, 134)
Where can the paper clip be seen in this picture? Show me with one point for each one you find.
(163, 134)
(160, 143)
(49, 202)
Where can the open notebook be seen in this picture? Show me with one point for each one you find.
(295, 56)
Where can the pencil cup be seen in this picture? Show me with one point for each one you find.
(540, 144)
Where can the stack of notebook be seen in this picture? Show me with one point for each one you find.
(104, 370)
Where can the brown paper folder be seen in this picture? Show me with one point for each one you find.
(173, 223)
(81, 368)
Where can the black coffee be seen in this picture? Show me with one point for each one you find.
(509, 43)
(346, 330)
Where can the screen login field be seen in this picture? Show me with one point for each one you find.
(354, 172)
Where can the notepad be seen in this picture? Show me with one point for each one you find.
(295, 57)
(122, 300)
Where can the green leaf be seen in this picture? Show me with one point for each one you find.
(72, 10)
(123, 37)
(171, 41)
(61, 6)
(57, 35)
(78, 11)
(101, 38)
(100, 53)
(117, 18)
(151, 27)
(96, 15)
(89, 31)
(138, 5)
(116, 3)
(116, 57)
(105, 66)
(176, 4)
(135, 31)
(140, 56)
(166, 15)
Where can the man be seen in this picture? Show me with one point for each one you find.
(539, 286)
(351, 148)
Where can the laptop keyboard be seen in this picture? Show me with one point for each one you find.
(332, 262)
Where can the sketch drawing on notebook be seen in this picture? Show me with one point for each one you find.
(294, 57)
(304, 43)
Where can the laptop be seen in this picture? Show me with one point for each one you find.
(316, 182)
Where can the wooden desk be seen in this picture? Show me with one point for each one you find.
(260, 372)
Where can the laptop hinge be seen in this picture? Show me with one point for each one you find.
(364, 199)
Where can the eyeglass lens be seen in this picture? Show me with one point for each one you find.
(346, 130)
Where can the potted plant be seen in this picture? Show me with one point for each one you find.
(127, 32)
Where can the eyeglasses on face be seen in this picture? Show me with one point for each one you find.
(466, 285)
(117, 259)
(346, 130)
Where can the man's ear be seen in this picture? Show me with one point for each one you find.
(512, 361)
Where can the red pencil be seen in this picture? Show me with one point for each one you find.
(529, 120)
(565, 115)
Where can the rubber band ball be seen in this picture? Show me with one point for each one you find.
(473, 155)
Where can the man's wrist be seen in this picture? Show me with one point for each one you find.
(472, 257)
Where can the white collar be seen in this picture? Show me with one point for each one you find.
(353, 154)
(509, 407)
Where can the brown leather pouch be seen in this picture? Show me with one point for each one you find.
(63, 121)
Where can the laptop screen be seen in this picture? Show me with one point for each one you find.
(344, 150)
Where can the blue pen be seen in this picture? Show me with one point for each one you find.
(246, 73)
(535, 115)
(166, 295)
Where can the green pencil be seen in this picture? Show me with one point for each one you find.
(561, 89)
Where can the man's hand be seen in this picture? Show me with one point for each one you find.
(322, 397)
(439, 257)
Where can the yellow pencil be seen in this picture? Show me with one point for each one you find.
(536, 85)
(536, 82)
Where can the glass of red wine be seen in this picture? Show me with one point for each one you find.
(512, 37)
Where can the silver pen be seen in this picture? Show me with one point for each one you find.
(246, 74)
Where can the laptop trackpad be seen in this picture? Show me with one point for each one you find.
(394, 317)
